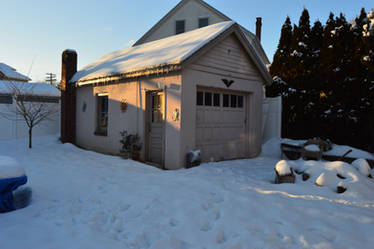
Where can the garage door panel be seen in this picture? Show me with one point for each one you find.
(221, 131)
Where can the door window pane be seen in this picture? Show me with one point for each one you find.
(156, 109)
(216, 99)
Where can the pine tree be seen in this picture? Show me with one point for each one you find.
(279, 67)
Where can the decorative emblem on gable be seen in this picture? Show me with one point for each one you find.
(227, 82)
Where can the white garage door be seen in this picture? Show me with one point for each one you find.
(221, 124)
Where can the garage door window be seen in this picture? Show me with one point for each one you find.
(216, 99)
(233, 101)
(226, 98)
(199, 98)
(240, 101)
(208, 99)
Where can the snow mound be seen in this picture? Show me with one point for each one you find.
(283, 168)
(312, 147)
(362, 166)
(9, 168)
(327, 179)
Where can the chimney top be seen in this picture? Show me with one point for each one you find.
(258, 27)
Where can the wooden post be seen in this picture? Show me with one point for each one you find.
(68, 96)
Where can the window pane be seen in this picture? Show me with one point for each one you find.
(179, 27)
(156, 109)
(216, 99)
(199, 98)
(208, 99)
(233, 101)
(203, 22)
(103, 112)
(225, 100)
(6, 99)
(240, 101)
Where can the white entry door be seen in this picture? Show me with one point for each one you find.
(155, 127)
(221, 124)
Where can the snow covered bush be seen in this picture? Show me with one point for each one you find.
(363, 167)
(284, 173)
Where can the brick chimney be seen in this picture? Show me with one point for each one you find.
(258, 27)
(68, 97)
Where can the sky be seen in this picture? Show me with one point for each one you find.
(33, 34)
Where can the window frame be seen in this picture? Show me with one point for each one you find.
(203, 19)
(178, 29)
(102, 130)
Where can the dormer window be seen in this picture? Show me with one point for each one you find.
(180, 26)
(203, 22)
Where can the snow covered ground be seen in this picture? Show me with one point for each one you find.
(83, 199)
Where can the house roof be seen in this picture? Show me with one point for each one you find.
(159, 56)
(31, 89)
(252, 38)
(10, 73)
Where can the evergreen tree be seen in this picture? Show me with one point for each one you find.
(279, 67)
(328, 79)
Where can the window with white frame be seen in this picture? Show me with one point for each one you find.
(102, 114)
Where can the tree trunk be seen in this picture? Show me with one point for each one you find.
(30, 138)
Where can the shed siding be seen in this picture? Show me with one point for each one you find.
(132, 120)
(206, 72)
(229, 56)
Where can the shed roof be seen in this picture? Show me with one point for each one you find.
(165, 52)
(154, 57)
(11, 73)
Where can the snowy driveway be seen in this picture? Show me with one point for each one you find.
(83, 199)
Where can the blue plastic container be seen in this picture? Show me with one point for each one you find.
(7, 186)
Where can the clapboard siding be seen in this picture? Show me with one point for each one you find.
(229, 56)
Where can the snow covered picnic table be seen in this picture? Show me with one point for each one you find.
(12, 175)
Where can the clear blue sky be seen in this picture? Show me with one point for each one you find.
(36, 32)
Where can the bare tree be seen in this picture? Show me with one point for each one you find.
(28, 107)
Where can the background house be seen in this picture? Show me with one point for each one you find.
(7, 73)
(15, 127)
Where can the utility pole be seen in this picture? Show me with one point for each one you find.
(51, 78)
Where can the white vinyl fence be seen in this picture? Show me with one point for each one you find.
(13, 126)
(271, 118)
(16, 127)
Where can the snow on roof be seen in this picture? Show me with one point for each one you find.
(11, 73)
(28, 88)
(168, 51)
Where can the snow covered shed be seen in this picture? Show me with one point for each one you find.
(201, 89)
